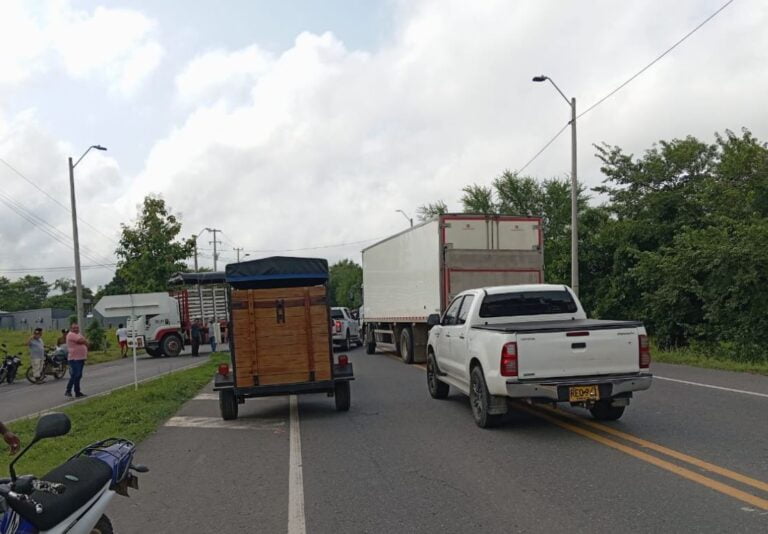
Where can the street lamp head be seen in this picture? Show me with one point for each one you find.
(99, 147)
(541, 78)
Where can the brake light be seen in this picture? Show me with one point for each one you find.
(509, 359)
(343, 360)
(224, 369)
(337, 324)
(644, 351)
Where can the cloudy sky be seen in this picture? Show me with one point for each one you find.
(298, 124)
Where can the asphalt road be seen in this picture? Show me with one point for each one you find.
(684, 458)
(22, 399)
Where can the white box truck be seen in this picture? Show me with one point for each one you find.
(415, 273)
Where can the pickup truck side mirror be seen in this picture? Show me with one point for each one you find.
(433, 319)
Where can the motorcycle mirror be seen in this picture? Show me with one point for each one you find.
(48, 426)
(52, 425)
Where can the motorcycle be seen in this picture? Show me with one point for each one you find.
(71, 498)
(55, 365)
(10, 365)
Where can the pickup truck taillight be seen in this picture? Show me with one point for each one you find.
(645, 351)
(337, 325)
(509, 359)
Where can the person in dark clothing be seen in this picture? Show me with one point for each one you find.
(196, 334)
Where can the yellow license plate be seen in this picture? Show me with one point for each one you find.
(583, 393)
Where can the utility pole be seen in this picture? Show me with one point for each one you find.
(214, 242)
(238, 249)
(76, 237)
(194, 237)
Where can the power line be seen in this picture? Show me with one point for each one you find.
(627, 82)
(43, 191)
(649, 65)
(338, 245)
(55, 269)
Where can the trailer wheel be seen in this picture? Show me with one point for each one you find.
(603, 411)
(171, 345)
(342, 395)
(406, 344)
(228, 404)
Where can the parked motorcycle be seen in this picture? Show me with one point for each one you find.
(10, 365)
(73, 497)
(55, 365)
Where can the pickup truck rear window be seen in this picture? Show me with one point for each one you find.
(337, 314)
(528, 303)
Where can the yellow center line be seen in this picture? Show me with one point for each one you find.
(663, 450)
(658, 462)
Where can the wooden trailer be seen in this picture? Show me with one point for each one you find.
(280, 335)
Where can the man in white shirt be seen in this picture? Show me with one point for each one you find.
(122, 339)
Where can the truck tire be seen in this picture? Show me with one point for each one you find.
(370, 340)
(152, 352)
(438, 389)
(406, 344)
(479, 400)
(342, 395)
(603, 411)
(228, 404)
(104, 526)
(347, 342)
(171, 345)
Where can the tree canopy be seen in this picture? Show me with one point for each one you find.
(149, 251)
(346, 281)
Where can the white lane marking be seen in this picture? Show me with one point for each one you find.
(184, 421)
(296, 520)
(743, 392)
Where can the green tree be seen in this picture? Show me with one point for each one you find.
(96, 335)
(478, 199)
(149, 251)
(430, 210)
(346, 281)
(67, 298)
(26, 293)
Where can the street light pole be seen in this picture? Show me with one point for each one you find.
(406, 217)
(76, 238)
(574, 188)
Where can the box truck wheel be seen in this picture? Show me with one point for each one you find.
(342, 395)
(171, 345)
(406, 344)
(228, 404)
(370, 340)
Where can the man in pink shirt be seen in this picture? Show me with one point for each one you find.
(77, 347)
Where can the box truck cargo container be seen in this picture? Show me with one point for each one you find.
(415, 273)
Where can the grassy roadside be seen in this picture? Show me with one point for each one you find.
(126, 413)
(688, 356)
(16, 340)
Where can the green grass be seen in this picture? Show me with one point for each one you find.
(125, 413)
(16, 340)
(694, 358)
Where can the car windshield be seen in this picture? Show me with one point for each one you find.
(527, 303)
(337, 314)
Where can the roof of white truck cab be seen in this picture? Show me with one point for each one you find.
(523, 288)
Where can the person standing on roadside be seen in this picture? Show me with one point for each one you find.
(196, 333)
(36, 353)
(10, 438)
(77, 347)
(122, 339)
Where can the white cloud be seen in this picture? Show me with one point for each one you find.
(117, 47)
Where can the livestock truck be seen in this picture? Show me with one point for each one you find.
(416, 273)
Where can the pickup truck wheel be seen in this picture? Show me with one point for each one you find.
(603, 411)
(479, 399)
(406, 345)
(438, 390)
(228, 404)
(347, 342)
(342, 395)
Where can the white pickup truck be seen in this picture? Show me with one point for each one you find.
(534, 342)
(345, 328)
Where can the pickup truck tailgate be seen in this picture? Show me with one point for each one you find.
(575, 348)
